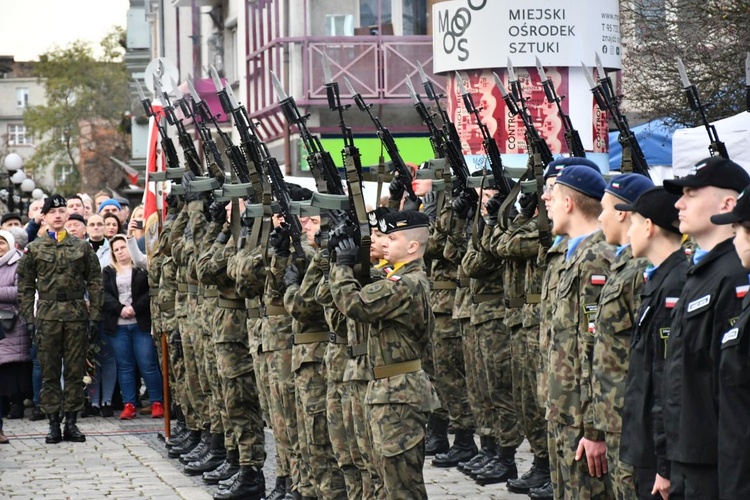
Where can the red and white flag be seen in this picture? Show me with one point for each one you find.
(153, 194)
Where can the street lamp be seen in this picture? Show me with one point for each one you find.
(27, 187)
(12, 165)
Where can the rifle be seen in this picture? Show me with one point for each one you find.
(326, 174)
(188, 147)
(388, 142)
(694, 100)
(166, 142)
(357, 213)
(572, 138)
(428, 119)
(633, 159)
(490, 146)
(451, 142)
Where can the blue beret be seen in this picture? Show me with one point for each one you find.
(109, 202)
(583, 179)
(628, 187)
(554, 167)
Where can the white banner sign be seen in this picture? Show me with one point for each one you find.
(473, 34)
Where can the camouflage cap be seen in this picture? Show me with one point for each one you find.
(405, 219)
(54, 201)
(628, 187)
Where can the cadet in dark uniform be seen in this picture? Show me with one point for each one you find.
(62, 269)
(734, 371)
(706, 310)
(653, 234)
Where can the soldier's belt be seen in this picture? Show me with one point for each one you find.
(192, 289)
(309, 338)
(254, 313)
(333, 338)
(533, 298)
(463, 283)
(166, 306)
(515, 302)
(443, 285)
(486, 297)
(356, 350)
(61, 295)
(200, 299)
(153, 292)
(271, 310)
(182, 287)
(231, 303)
(394, 369)
(210, 293)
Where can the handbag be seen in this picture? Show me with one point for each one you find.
(8, 319)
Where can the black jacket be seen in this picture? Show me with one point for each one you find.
(643, 442)
(112, 306)
(734, 407)
(707, 308)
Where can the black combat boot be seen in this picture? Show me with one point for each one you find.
(279, 491)
(504, 468)
(199, 451)
(486, 453)
(543, 493)
(54, 436)
(249, 485)
(211, 460)
(227, 483)
(229, 468)
(536, 477)
(464, 448)
(192, 440)
(290, 494)
(71, 432)
(436, 440)
(177, 435)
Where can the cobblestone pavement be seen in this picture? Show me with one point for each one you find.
(127, 459)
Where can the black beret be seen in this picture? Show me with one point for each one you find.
(10, 216)
(405, 219)
(54, 201)
(375, 216)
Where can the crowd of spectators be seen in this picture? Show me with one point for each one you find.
(124, 353)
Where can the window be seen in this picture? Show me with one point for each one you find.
(339, 25)
(17, 135)
(22, 98)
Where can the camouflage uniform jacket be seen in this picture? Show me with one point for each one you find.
(619, 301)
(401, 322)
(486, 273)
(308, 316)
(455, 248)
(66, 267)
(249, 274)
(177, 241)
(215, 272)
(514, 273)
(572, 342)
(277, 330)
(336, 356)
(443, 272)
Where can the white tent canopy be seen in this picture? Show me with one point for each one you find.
(690, 145)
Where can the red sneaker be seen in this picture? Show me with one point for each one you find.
(128, 413)
(157, 410)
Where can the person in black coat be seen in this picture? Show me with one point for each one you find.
(127, 319)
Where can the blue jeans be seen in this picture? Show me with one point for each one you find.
(36, 374)
(133, 346)
(105, 376)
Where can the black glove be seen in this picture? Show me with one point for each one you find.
(189, 194)
(280, 240)
(93, 332)
(347, 252)
(218, 212)
(222, 238)
(318, 238)
(493, 205)
(396, 189)
(430, 205)
(528, 202)
(174, 204)
(292, 276)
(340, 232)
(462, 205)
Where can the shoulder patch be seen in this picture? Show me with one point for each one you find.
(699, 303)
(670, 302)
(741, 291)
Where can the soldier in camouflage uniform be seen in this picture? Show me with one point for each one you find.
(519, 245)
(620, 299)
(574, 208)
(401, 395)
(62, 269)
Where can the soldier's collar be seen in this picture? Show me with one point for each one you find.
(381, 264)
(58, 236)
(396, 267)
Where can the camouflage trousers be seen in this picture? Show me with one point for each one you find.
(570, 478)
(620, 478)
(177, 380)
(524, 358)
(357, 424)
(312, 426)
(259, 365)
(61, 350)
(477, 389)
(542, 379)
(235, 368)
(398, 432)
(198, 403)
(496, 354)
(450, 372)
(428, 365)
(283, 412)
(343, 438)
(216, 402)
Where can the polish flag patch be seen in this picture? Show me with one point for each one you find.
(742, 291)
(670, 302)
(598, 279)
